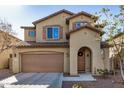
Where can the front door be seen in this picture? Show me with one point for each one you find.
(81, 61)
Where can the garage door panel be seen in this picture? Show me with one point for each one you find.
(42, 63)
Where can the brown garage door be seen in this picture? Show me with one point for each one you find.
(42, 62)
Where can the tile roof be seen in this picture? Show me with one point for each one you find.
(119, 34)
(80, 13)
(31, 44)
(11, 35)
(105, 45)
(85, 26)
(30, 27)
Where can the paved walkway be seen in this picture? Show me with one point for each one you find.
(81, 77)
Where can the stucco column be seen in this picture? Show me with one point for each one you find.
(97, 61)
(15, 64)
(73, 61)
(66, 65)
(15, 61)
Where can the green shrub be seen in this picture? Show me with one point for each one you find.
(103, 72)
(77, 85)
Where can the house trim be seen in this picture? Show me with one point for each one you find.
(85, 26)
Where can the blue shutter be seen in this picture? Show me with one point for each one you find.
(56, 32)
(49, 32)
(32, 33)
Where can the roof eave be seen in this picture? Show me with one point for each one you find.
(80, 13)
(43, 46)
(27, 27)
(51, 15)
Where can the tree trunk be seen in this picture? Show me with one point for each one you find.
(121, 70)
(113, 67)
(120, 61)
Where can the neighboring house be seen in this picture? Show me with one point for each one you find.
(119, 40)
(62, 42)
(6, 54)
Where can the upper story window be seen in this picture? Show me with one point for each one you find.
(79, 24)
(31, 33)
(53, 32)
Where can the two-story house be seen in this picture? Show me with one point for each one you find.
(61, 42)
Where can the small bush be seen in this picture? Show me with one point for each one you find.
(103, 72)
(77, 85)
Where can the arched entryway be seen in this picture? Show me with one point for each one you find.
(84, 60)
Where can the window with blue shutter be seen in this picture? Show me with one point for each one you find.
(53, 32)
(78, 24)
(31, 33)
(49, 33)
(56, 33)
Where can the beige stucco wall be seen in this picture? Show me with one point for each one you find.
(5, 55)
(78, 19)
(85, 38)
(17, 60)
(26, 36)
(59, 19)
(106, 58)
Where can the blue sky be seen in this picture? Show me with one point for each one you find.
(25, 15)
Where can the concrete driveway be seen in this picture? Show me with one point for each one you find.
(27, 80)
